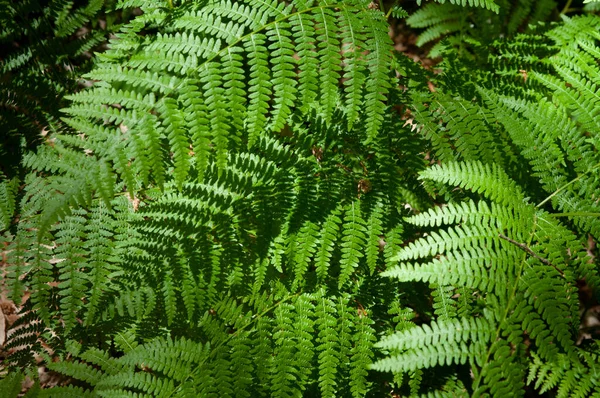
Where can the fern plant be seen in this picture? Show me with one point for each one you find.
(503, 243)
(230, 75)
(520, 262)
(227, 211)
(258, 198)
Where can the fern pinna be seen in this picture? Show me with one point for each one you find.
(257, 198)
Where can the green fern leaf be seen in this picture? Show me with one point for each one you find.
(327, 343)
(361, 355)
(259, 85)
(441, 342)
(283, 65)
(488, 180)
(353, 238)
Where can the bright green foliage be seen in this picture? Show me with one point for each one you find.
(223, 74)
(258, 199)
(498, 239)
(522, 264)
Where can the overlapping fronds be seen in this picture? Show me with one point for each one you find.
(558, 135)
(511, 257)
(251, 193)
(485, 21)
(42, 56)
(290, 218)
(223, 74)
(294, 334)
(569, 376)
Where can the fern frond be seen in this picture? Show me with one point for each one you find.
(539, 301)
(284, 84)
(570, 376)
(209, 53)
(480, 270)
(361, 355)
(329, 235)
(378, 85)
(489, 4)
(453, 341)
(489, 180)
(307, 239)
(8, 191)
(353, 238)
(259, 85)
(69, 258)
(327, 342)
(10, 386)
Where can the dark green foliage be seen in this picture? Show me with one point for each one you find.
(45, 46)
(257, 198)
(479, 23)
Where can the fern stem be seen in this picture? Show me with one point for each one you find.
(562, 188)
(526, 249)
(381, 7)
(566, 7)
(509, 307)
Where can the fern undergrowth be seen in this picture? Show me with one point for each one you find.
(262, 198)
